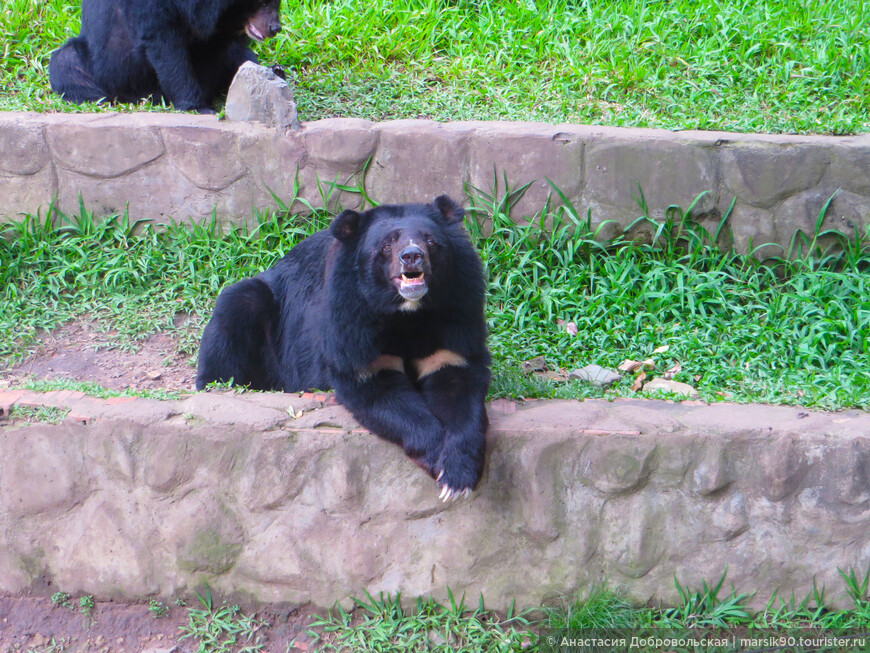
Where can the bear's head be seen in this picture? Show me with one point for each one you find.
(265, 22)
(402, 252)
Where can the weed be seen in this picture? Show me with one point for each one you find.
(382, 624)
(46, 414)
(61, 599)
(223, 629)
(157, 608)
(54, 645)
(86, 605)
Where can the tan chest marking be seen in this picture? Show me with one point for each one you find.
(384, 362)
(440, 359)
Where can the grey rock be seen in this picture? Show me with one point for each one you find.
(258, 95)
(670, 386)
(619, 466)
(596, 375)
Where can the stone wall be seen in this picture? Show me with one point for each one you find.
(130, 498)
(168, 165)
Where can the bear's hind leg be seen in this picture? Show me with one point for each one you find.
(70, 75)
(238, 342)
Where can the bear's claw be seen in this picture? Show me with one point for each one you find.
(449, 494)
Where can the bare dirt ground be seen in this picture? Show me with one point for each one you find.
(81, 351)
(35, 624)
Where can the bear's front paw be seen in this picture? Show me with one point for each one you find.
(428, 462)
(458, 474)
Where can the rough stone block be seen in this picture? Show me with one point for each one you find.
(668, 173)
(326, 510)
(849, 168)
(23, 150)
(522, 154)
(712, 473)
(753, 228)
(207, 157)
(337, 154)
(31, 194)
(103, 551)
(41, 475)
(145, 191)
(616, 466)
(764, 173)
(104, 151)
(418, 160)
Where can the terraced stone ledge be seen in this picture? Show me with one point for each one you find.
(180, 166)
(277, 497)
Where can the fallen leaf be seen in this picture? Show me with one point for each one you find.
(629, 365)
(672, 372)
(571, 328)
(649, 362)
(638, 382)
(661, 350)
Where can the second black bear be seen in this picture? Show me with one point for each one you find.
(387, 307)
(183, 51)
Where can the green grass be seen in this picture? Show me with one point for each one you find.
(45, 414)
(776, 66)
(219, 629)
(794, 330)
(382, 624)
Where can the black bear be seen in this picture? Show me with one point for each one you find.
(183, 51)
(387, 308)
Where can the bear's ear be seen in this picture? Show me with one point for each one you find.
(345, 225)
(451, 211)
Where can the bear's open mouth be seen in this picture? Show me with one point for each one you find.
(412, 284)
(252, 31)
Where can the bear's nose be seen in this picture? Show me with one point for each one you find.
(411, 256)
(274, 27)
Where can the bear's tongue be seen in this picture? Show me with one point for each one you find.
(252, 31)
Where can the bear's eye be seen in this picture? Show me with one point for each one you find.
(431, 242)
(387, 248)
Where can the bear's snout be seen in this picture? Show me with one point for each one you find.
(412, 257)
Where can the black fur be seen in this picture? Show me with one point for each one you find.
(333, 310)
(183, 51)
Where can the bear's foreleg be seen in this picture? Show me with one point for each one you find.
(456, 394)
(169, 56)
(388, 405)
